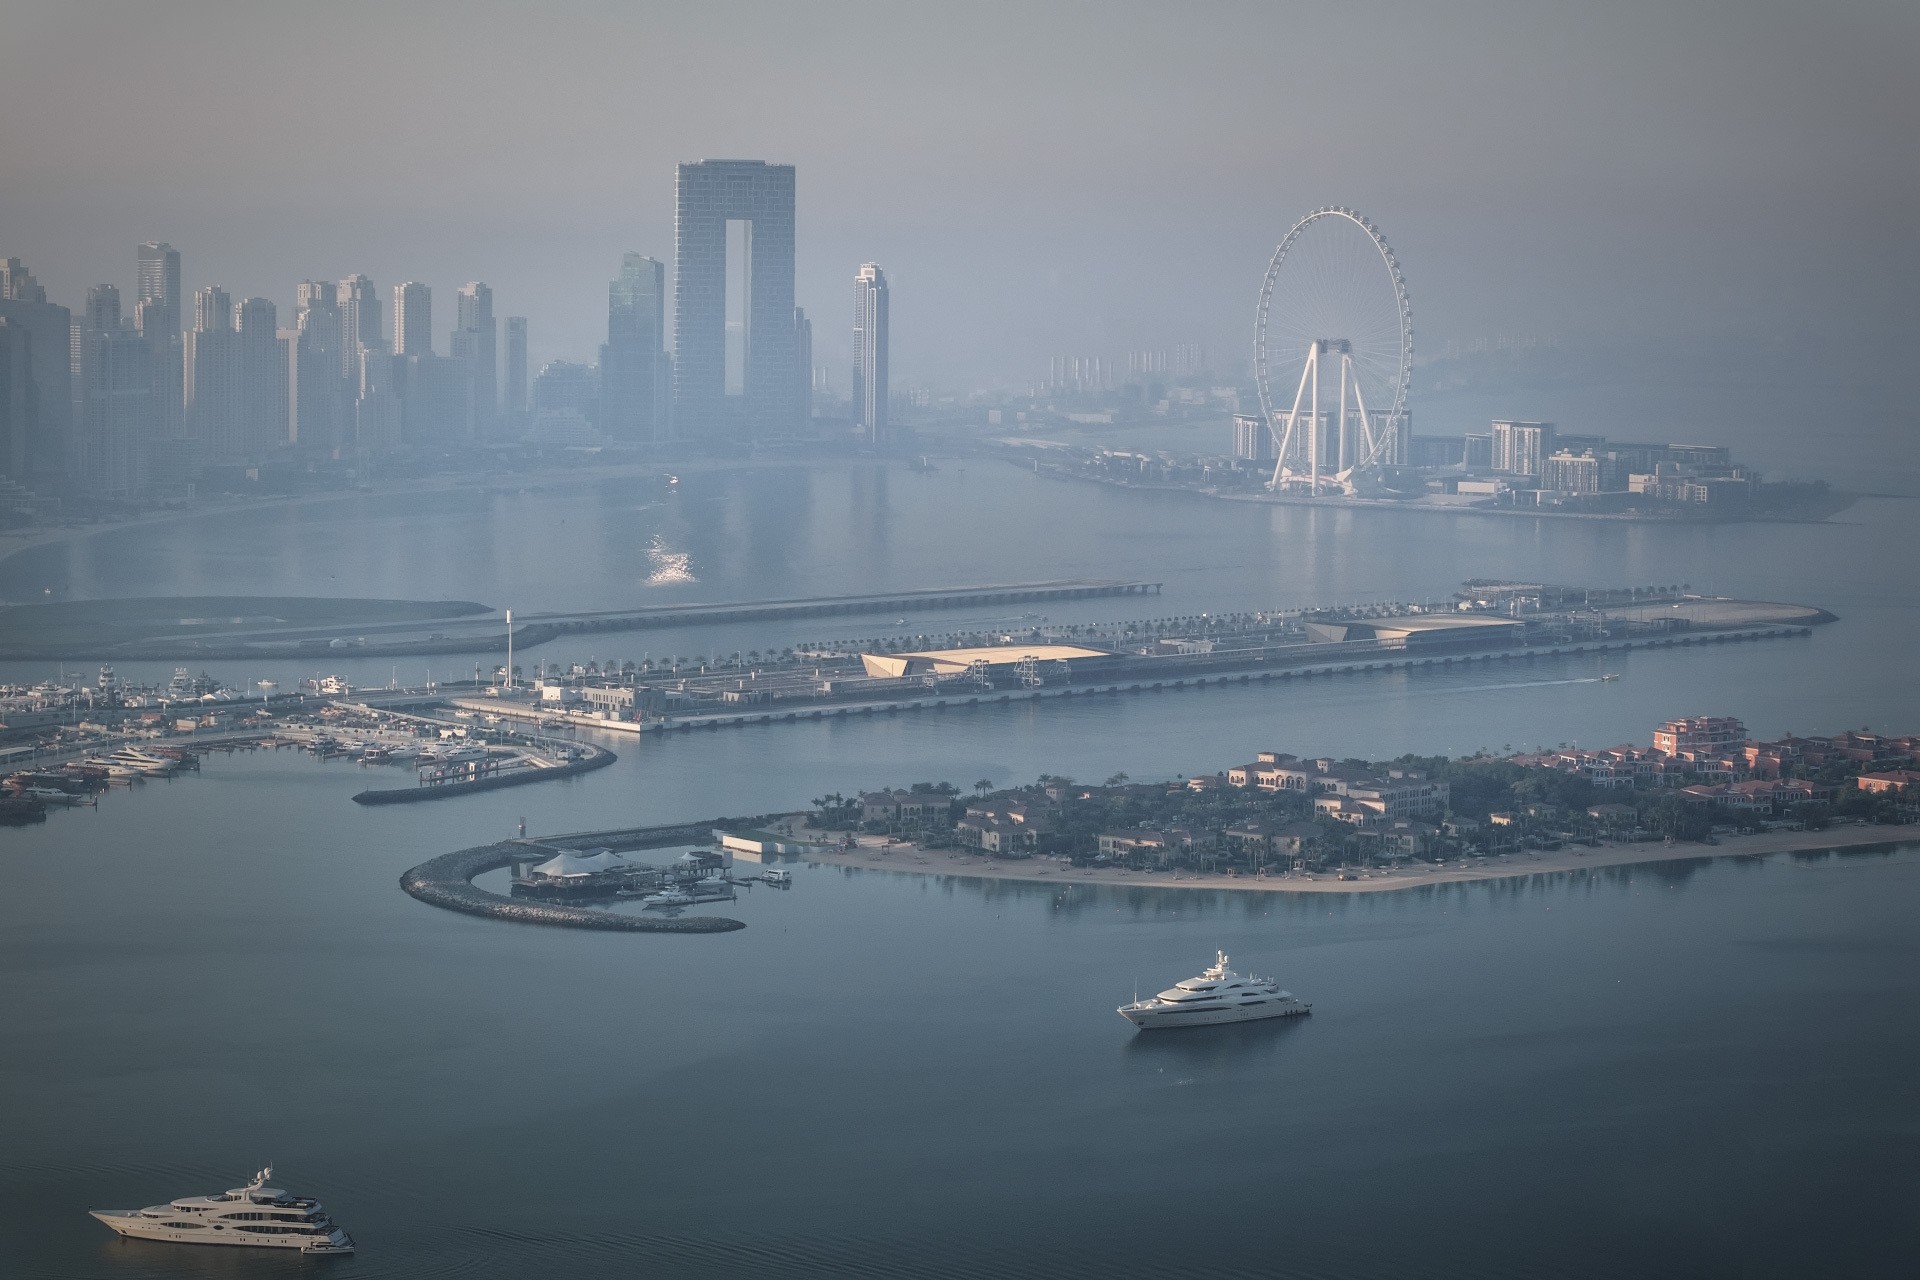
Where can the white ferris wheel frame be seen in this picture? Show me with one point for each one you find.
(1282, 436)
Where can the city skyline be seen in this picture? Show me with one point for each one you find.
(1109, 243)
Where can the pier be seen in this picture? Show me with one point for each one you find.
(447, 882)
(1168, 675)
(458, 780)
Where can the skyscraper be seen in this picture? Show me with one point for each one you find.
(359, 305)
(318, 395)
(116, 398)
(633, 362)
(159, 318)
(412, 319)
(19, 403)
(733, 279)
(160, 279)
(516, 373)
(264, 369)
(475, 346)
(870, 353)
(47, 330)
(803, 361)
(213, 386)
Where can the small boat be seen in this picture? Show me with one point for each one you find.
(46, 795)
(668, 898)
(779, 876)
(114, 770)
(255, 1215)
(1611, 675)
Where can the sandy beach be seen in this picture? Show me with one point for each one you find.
(874, 854)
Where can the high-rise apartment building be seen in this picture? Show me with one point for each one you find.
(734, 368)
(803, 361)
(870, 354)
(19, 402)
(1522, 448)
(160, 319)
(475, 346)
(359, 305)
(516, 370)
(17, 283)
(318, 391)
(47, 331)
(412, 319)
(159, 279)
(634, 373)
(115, 395)
(213, 381)
(264, 370)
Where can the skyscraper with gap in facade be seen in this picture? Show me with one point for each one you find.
(734, 374)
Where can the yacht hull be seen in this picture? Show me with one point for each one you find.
(1162, 1019)
(129, 1223)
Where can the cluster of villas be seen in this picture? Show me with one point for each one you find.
(1710, 760)
(1395, 813)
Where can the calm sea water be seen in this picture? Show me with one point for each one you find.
(1696, 1069)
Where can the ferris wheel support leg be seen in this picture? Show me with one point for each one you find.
(1372, 451)
(1293, 417)
(1313, 418)
(1346, 376)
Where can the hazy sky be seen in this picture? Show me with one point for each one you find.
(1035, 177)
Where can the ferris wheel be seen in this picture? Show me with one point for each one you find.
(1334, 319)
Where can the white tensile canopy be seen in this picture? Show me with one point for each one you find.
(568, 863)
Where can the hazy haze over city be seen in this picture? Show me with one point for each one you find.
(1060, 178)
(650, 639)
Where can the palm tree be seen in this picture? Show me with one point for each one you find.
(983, 786)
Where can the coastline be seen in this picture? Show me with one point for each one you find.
(872, 855)
(1843, 501)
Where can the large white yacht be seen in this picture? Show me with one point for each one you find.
(256, 1214)
(1218, 995)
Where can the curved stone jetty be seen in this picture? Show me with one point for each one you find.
(447, 881)
(591, 758)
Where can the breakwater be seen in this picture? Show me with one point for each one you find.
(1208, 671)
(447, 881)
(591, 758)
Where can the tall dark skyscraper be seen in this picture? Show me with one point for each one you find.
(319, 392)
(213, 392)
(733, 334)
(475, 346)
(47, 331)
(19, 404)
(159, 314)
(359, 305)
(634, 374)
(516, 371)
(263, 359)
(116, 437)
(870, 353)
(803, 361)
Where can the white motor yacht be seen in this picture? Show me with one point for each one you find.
(1216, 996)
(114, 769)
(669, 898)
(256, 1214)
